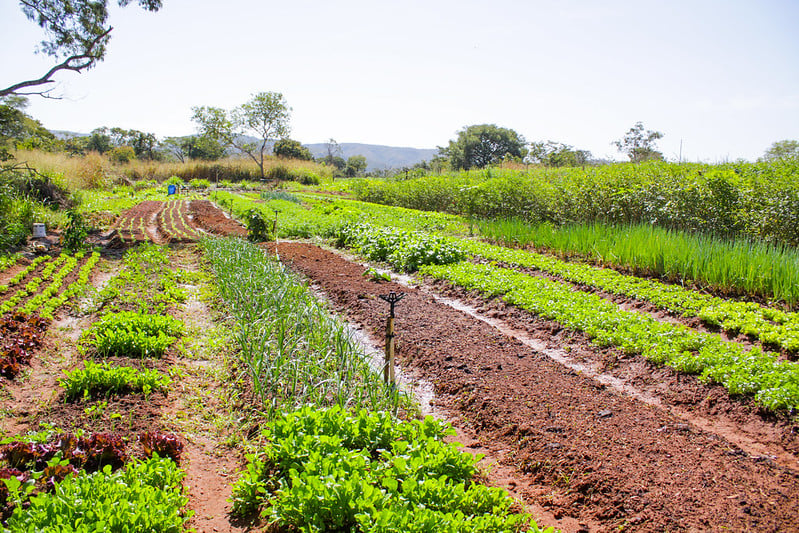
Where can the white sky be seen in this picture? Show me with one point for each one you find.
(722, 76)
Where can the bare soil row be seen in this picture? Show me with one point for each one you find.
(586, 455)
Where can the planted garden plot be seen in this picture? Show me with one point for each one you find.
(177, 221)
(132, 225)
(580, 449)
(173, 221)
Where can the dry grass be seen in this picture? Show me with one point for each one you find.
(94, 171)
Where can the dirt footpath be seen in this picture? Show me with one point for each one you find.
(583, 455)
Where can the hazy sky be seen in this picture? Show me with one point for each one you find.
(720, 76)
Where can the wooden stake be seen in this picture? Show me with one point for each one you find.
(388, 370)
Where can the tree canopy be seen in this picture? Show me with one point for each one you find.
(291, 149)
(77, 34)
(555, 154)
(484, 144)
(639, 144)
(266, 116)
(786, 149)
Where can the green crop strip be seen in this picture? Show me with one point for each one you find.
(145, 282)
(775, 384)
(727, 266)
(144, 496)
(95, 380)
(404, 250)
(327, 470)
(293, 350)
(7, 261)
(133, 334)
(771, 326)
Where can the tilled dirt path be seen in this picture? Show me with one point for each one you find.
(591, 458)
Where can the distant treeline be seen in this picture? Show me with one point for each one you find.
(754, 200)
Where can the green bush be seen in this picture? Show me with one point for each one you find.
(257, 227)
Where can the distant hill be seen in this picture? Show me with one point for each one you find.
(378, 157)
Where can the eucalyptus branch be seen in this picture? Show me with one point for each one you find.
(75, 63)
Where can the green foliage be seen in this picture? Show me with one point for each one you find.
(122, 154)
(94, 380)
(367, 471)
(145, 496)
(74, 236)
(175, 180)
(639, 145)
(291, 149)
(293, 350)
(771, 326)
(75, 30)
(739, 267)
(774, 384)
(786, 149)
(133, 334)
(266, 115)
(553, 154)
(257, 228)
(756, 200)
(355, 166)
(199, 184)
(482, 145)
(404, 250)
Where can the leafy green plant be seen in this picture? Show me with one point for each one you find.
(774, 384)
(257, 228)
(145, 496)
(367, 471)
(134, 334)
(74, 236)
(94, 380)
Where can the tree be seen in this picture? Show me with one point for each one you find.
(481, 145)
(266, 115)
(555, 154)
(291, 149)
(77, 35)
(18, 129)
(786, 149)
(193, 147)
(355, 165)
(99, 141)
(639, 145)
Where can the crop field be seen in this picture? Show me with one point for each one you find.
(229, 385)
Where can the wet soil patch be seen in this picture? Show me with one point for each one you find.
(583, 452)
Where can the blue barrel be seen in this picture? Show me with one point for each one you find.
(171, 189)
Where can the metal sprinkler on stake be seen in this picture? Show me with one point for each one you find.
(388, 370)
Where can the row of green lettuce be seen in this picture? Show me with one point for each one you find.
(757, 200)
(771, 326)
(774, 383)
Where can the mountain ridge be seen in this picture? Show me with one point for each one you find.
(378, 156)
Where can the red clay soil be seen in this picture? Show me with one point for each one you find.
(584, 455)
(138, 223)
(204, 214)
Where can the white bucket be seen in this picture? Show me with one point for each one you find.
(38, 230)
